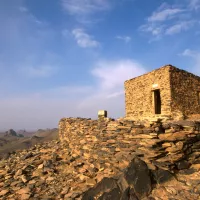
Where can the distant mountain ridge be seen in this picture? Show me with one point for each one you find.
(11, 133)
(12, 140)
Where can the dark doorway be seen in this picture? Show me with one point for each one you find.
(157, 101)
(198, 96)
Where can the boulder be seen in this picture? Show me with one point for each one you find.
(137, 175)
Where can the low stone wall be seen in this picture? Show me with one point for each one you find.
(159, 145)
(111, 145)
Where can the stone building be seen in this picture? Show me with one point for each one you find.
(167, 92)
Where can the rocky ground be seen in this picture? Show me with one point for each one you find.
(53, 171)
(114, 160)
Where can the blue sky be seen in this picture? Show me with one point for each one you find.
(70, 58)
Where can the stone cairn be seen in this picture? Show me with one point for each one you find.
(113, 145)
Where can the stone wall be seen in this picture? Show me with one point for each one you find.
(139, 94)
(153, 142)
(184, 90)
(110, 146)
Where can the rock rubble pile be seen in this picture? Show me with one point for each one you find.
(167, 147)
(107, 159)
(170, 146)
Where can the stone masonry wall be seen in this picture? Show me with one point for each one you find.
(185, 87)
(106, 148)
(139, 94)
(153, 142)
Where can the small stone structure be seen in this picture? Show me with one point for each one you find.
(167, 92)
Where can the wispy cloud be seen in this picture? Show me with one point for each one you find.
(156, 22)
(83, 39)
(154, 29)
(87, 12)
(112, 74)
(189, 52)
(82, 7)
(194, 4)
(164, 13)
(126, 39)
(24, 10)
(169, 20)
(177, 28)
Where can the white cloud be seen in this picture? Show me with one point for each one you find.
(112, 74)
(83, 39)
(169, 20)
(126, 39)
(155, 30)
(156, 22)
(165, 14)
(188, 52)
(177, 28)
(84, 7)
(86, 11)
(194, 4)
